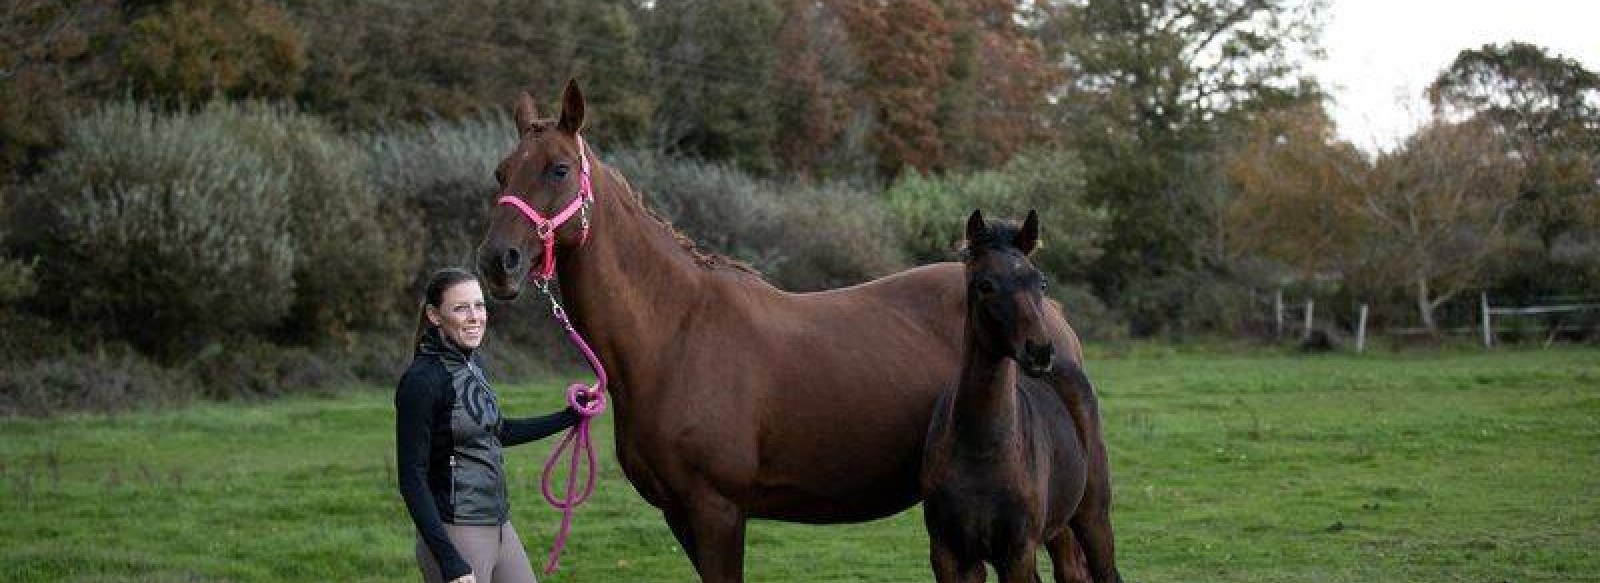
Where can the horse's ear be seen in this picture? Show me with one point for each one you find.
(976, 228)
(572, 108)
(527, 113)
(1028, 237)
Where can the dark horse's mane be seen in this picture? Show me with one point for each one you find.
(1001, 233)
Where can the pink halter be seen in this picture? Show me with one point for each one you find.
(546, 228)
(587, 400)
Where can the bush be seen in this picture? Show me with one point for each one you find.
(355, 250)
(802, 236)
(930, 212)
(166, 230)
(112, 378)
(444, 172)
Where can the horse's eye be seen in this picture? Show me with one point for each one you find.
(559, 172)
(500, 177)
(985, 286)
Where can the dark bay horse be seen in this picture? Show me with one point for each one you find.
(1003, 470)
(734, 399)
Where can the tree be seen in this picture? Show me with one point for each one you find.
(1549, 109)
(385, 62)
(194, 50)
(905, 52)
(1295, 189)
(1151, 84)
(56, 56)
(712, 69)
(1435, 213)
(816, 102)
(995, 102)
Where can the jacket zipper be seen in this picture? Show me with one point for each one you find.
(452, 484)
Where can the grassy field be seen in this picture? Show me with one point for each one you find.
(1462, 466)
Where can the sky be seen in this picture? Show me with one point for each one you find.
(1381, 54)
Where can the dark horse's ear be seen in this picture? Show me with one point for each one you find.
(526, 113)
(1028, 237)
(572, 108)
(976, 228)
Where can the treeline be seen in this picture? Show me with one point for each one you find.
(237, 197)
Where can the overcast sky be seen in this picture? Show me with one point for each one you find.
(1382, 53)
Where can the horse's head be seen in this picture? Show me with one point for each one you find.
(544, 173)
(1005, 292)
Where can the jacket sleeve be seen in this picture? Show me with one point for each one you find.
(520, 431)
(417, 404)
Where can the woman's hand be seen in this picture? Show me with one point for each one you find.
(467, 578)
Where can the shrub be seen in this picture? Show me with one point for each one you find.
(109, 378)
(930, 211)
(444, 172)
(803, 236)
(355, 250)
(164, 229)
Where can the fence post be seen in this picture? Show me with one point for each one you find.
(1309, 305)
(1277, 312)
(1361, 330)
(1488, 330)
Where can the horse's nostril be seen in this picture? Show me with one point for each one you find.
(511, 260)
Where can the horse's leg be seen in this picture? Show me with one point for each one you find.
(1066, 558)
(1092, 522)
(948, 568)
(1021, 566)
(678, 520)
(716, 526)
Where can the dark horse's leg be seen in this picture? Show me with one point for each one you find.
(711, 529)
(947, 568)
(1021, 567)
(678, 520)
(1066, 558)
(1092, 522)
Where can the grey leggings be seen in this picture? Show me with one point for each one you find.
(494, 552)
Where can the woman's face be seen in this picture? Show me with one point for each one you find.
(461, 314)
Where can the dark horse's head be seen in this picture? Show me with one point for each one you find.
(1005, 293)
(543, 172)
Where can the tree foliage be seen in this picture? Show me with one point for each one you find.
(194, 50)
(1151, 83)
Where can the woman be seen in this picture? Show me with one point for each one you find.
(448, 435)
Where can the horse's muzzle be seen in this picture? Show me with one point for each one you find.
(1037, 360)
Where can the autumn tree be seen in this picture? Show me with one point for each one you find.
(1297, 191)
(383, 62)
(995, 103)
(1548, 107)
(1151, 83)
(905, 52)
(195, 50)
(1434, 216)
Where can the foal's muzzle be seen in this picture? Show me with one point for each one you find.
(1036, 360)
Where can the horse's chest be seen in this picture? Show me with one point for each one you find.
(983, 518)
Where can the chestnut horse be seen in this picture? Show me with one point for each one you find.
(734, 399)
(1003, 470)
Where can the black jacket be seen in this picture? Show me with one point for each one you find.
(448, 435)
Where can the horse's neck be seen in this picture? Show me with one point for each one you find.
(630, 285)
(985, 401)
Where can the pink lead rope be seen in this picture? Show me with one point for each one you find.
(578, 437)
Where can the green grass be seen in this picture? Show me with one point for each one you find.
(1460, 466)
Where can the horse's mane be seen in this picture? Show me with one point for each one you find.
(701, 257)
